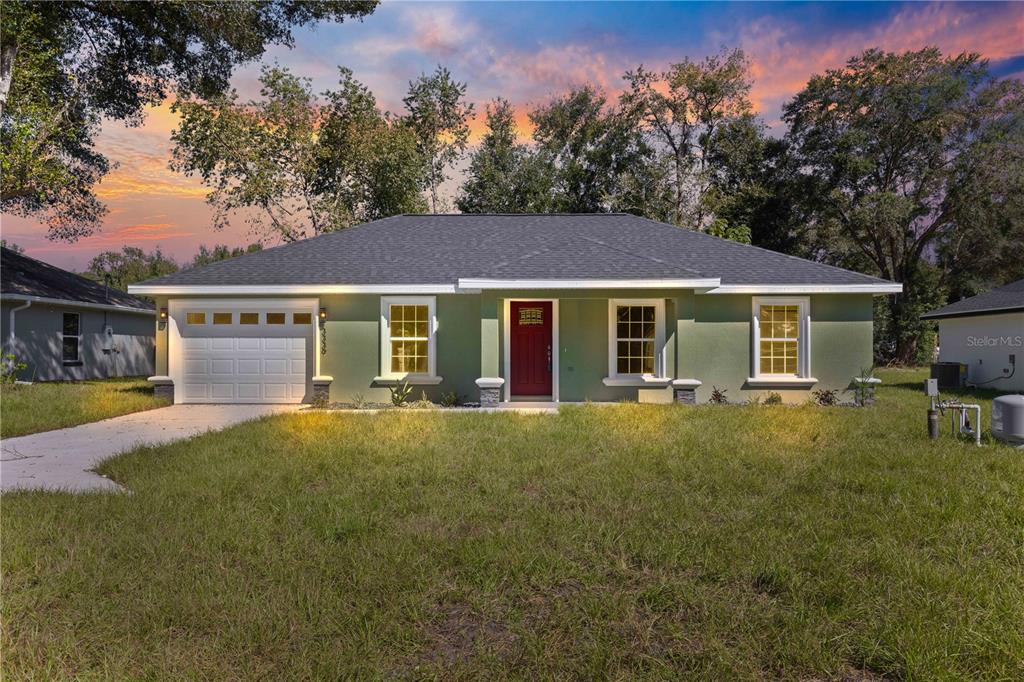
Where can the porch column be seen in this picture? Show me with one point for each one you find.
(490, 382)
(685, 382)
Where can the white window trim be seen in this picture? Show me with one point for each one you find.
(803, 350)
(385, 336)
(77, 337)
(659, 377)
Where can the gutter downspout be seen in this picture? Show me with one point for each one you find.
(10, 344)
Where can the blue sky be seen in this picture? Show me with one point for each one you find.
(525, 52)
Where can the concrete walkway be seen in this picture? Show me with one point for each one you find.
(63, 459)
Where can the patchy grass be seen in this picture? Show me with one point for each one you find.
(645, 541)
(44, 406)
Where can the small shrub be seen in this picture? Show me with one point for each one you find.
(400, 393)
(826, 397)
(9, 368)
(864, 392)
(449, 399)
(773, 398)
(423, 403)
(359, 401)
(718, 396)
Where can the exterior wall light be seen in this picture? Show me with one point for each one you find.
(323, 314)
(163, 314)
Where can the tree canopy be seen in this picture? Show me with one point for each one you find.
(65, 66)
(296, 165)
(912, 157)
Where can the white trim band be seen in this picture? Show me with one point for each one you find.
(77, 304)
(589, 283)
(878, 289)
(795, 382)
(281, 289)
(652, 382)
(412, 380)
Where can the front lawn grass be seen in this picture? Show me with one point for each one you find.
(635, 541)
(43, 406)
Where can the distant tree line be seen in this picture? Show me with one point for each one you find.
(131, 264)
(908, 166)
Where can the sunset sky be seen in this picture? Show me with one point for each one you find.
(525, 52)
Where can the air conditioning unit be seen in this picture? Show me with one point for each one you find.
(951, 375)
(1008, 419)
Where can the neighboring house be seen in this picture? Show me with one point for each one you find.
(66, 327)
(986, 333)
(601, 307)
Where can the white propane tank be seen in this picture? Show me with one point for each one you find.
(1008, 419)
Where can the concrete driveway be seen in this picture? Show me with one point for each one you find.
(63, 459)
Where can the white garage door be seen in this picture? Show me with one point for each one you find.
(244, 370)
(241, 351)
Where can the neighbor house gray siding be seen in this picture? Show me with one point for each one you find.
(38, 337)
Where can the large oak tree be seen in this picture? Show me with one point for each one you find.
(915, 157)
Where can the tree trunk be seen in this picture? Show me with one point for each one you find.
(906, 341)
(8, 52)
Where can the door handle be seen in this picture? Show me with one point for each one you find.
(549, 357)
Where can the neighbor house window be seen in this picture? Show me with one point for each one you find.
(781, 337)
(407, 332)
(222, 318)
(248, 318)
(71, 338)
(636, 337)
(195, 318)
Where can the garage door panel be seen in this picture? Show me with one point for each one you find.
(195, 343)
(196, 392)
(249, 366)
(219, 343)
(222, 391)
(196, 366)
(275, 366)
(276, 344)
(249, 391)
(222, 366)
(247, 344)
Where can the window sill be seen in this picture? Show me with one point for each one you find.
(795, 382)
(72, 363)
(637, 381)
(412, 381)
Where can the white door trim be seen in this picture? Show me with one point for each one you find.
(507, 344)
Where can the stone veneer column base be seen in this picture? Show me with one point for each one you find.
(490, 390)
(163, 387)
(321, 390)
(685, 391)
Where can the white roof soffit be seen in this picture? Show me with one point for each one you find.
(289, 289)
(704, 282)
(876, 289)
(78, 304)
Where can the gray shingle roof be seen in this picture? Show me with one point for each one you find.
(24, 276)
(441, 249)
(1000, 300)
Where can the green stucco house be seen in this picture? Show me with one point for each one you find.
(506, 308)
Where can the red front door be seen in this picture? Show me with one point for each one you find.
(531, 347)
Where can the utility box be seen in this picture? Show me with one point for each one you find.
(1008, 419)
(950, 375)
(931, 388)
